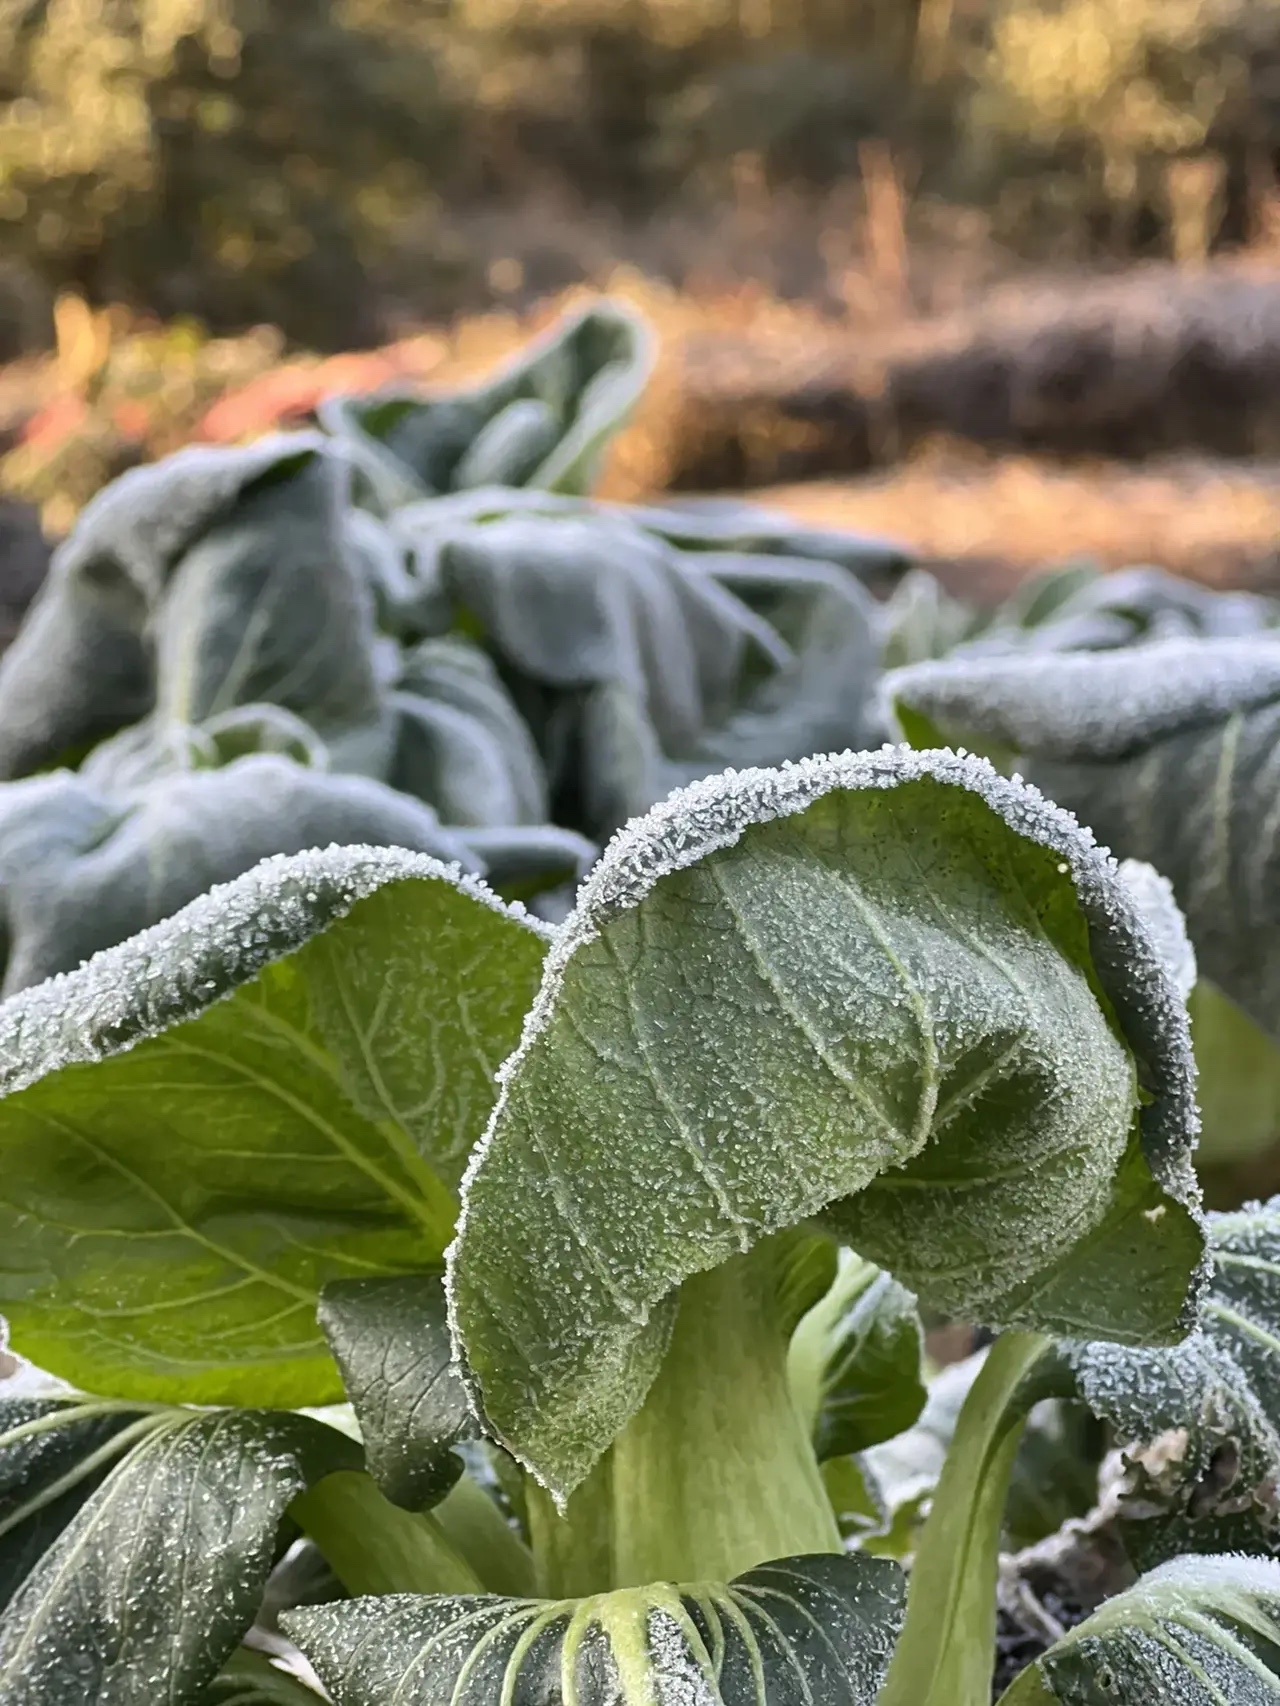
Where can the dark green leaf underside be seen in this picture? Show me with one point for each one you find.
(805, 1630)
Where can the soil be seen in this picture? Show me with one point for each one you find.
(1019, 1643)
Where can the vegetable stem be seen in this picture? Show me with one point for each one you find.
(716, 1473)
(945, 1654)
(376, 1547)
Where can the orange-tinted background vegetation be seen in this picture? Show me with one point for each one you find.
(1001, 277)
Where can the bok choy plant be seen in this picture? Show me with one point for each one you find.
(1167, 753)
(558, 1385)
(404, 630)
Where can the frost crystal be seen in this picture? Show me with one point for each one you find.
(180, 967)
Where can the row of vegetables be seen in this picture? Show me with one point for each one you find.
(346, 762)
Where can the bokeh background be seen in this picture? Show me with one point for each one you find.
(1001, 277)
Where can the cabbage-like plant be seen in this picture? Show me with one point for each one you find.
(1166, 752)
(563, 1387)
(399, 632)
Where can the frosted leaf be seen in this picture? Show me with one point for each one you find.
(543, 419)
(211, 579)
(1168, 752)
(864, 988)
(1152, 895)
(1195, 1632)
(81, 871)
(854, 1362)
(821, 1628)
(390, 1340)
(154, 1580)
(54, 1454)
(275, 1088)
(647, 665)
(1079, 608)
(449, 676)
(1093, 707)
(1201, 1420)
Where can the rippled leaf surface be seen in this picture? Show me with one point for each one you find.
(390, 1339)
(276, 1088)
(1196, 1632)
(1202, 1418)
(53, 1455)
(152, 1584)
(1167, 752)
(81, 870)
(892, 990)
(211, 579)
(542, 420)
(801, 1630)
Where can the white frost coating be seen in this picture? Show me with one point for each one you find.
(1206, 1574)
(1092, 704)
(712, 814)
(174, 499)
(677, 1677)
(179, 968)
(1224, 1582)
(1153, 896)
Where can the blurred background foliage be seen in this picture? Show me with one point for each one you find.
(340, 167)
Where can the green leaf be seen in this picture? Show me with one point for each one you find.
(893, 990)
(1238, 1079)
(53, 1455)
(804, 1629)
(251, 1679)
(266, 604)
(390, 1340)
(141, 753)
(947, 1650)
(274, 1089)
(530, 863)
(900, 1474)
(1199, 1419)
(463, 746)
(80, 872)
(855, 1362)
(1165, 751)
(1196, 1632)
(210, 579)
(542, 420)
(154, 1581)
(734, 524)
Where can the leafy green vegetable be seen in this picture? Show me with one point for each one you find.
(211, 580)
(87, 872)
(1199, 1418)
(887, 1003)
(812, 955)
(390, 1340)
(855, 1359)
(276, 1088)
(53, 1455)
(815, 1629)
(1164, 753)
(541, 421)
(1196, 1632)
(188, 1520)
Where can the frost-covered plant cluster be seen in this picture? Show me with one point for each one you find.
(456, 1302)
